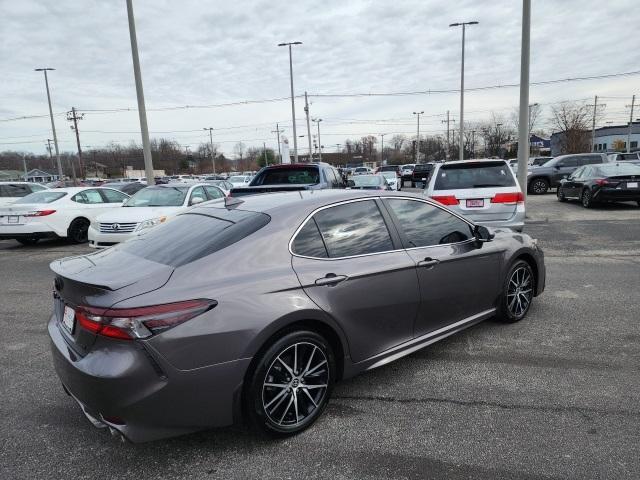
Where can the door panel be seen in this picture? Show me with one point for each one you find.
(376, 304)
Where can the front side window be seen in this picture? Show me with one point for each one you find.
(425, 225)
(113, 196)
(198, 193)
(214, 192)
(355, 228)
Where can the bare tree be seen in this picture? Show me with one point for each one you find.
(397, 142)
(497, 135)
(535, 112)
(572, 120)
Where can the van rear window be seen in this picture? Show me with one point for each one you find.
(191, 236)
(474, 175)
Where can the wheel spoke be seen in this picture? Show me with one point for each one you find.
(295, 359)
(306, 369)
(295, 405)
(316, 367)
(310, 387)
(280, 396)
(305, 390)
(286, 410)
(276, 385)
(287, 367)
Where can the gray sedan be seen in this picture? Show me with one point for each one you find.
(254, 308)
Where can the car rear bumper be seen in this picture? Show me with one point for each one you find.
(617, 195)
(27, 230)
(129, 387)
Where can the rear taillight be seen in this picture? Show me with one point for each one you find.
(39, 213)
(141, 322)
(515, 197)
(605, 181)
(446, 199)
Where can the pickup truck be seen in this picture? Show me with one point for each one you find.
(292, 177)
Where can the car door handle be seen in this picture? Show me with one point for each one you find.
(428, 262)
(330, 279)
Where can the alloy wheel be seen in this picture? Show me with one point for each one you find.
(519, 292)
(539, 186)
(295, 385)
(586, 198)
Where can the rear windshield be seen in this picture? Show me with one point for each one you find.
(193, 235)
(423, 167)
(474, 175)
(288, 176)
(159, 197)
(42, 197)
(618, 169)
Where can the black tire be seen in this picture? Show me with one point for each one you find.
(539, 186)
(515, 300)
(28, 241)
(78, 230)
(413, 184)
(270, 408)
(587, 198)
(560, 194)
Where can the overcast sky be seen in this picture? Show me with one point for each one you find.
(214, 52)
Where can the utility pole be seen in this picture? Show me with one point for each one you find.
(73, 116)
(266, 159)
(317, 121)
(418, 137)
(278, 132)
(593, 121)
(523, 124)
(50, 150)
(464, 25)
(473, 144)
(306, 111)
(53, 125)
(142, 111)
(633, 102)
(382, 148)
(293, 104)
(213, 160)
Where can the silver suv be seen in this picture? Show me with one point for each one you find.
(485, 191)
(540, 179)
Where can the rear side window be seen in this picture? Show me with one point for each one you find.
(589, 159)
(113, 196)
(474, 175)
(355, 228)
(308, 242)
(288, 176)
(88, 196)
(567, 162)
(424, 225)
(192, 236)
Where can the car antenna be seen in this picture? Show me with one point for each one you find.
(230, 202)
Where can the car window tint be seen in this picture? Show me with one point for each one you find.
(198, 192)
(355, 228)
(567, 162)
(15, 190)
(113, 196)
(192, 236)
(424, 224)
(88, 196)
(308, 241)
(214, 192)
(474, 175)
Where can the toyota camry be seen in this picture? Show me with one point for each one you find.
(253, 308)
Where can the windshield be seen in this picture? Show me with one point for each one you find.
(368, 180)
(42, 197)
(474, 175)
(158, 197)
(289, 176)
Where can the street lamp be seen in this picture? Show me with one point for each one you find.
(293, 105)
(53, 125)
(213, 161)
(463, 24)
(418, 137)
(317, 121)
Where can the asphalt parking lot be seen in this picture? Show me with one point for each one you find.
(554, 396)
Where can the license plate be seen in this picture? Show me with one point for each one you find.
(632, 184)
(13, 219)
(475, 202)
(69, 318)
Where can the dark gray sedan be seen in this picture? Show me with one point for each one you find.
(253, 308)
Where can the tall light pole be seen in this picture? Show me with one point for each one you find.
(523, 125)
(418, 137)
(213, 160)
(142, 111)
(382, 148)
(461, 139)
(53, 125)
(293, 104)
(317, 121)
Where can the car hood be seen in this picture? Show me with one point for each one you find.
(137, 214)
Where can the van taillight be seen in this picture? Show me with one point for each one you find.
(140, 322)
(446, 199)
(515, 197)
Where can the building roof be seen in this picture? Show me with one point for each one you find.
(36, 172)
(617, 130)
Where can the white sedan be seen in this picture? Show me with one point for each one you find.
(149, 207)
(60, 212)
(240, 180)
(392, 179)
(12, 191)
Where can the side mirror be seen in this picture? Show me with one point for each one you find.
(196, 200)
(351, 183)
(483, 234)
